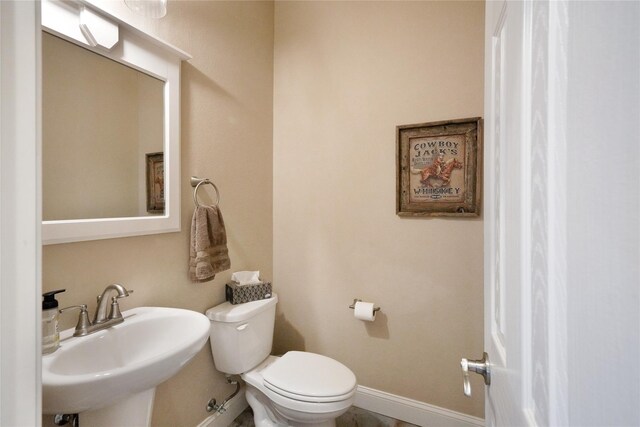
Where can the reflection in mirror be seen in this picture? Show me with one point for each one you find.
(103, 136)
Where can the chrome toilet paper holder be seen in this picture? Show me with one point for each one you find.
(355, 300)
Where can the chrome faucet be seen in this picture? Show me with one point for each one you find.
(101, 320)
(101, 310)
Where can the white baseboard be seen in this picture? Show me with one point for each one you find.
(387, 404)
(412, 411)
(234, 408)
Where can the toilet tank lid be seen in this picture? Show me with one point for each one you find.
(229, 313)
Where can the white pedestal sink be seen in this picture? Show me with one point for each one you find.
(109, 377)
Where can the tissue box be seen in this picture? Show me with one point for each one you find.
(237, 294)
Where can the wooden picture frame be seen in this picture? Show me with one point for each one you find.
(438, 168)
(155, 182)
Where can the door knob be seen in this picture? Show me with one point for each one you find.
(482, 367)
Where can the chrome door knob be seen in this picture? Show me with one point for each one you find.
(482, 367)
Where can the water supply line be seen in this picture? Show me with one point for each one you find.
(213, 406)
(63, 419)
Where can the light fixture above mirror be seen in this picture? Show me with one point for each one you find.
(99, 33)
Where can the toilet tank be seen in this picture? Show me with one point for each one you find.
(241, 335)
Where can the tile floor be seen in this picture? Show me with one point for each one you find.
(355, 417)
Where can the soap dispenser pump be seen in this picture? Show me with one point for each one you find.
(50, 332)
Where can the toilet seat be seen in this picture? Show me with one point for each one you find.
(309, 377)
(297, 403)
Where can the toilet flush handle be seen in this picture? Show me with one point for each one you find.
(242, 327)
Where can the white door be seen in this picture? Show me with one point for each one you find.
(561, 211)
(505, 212)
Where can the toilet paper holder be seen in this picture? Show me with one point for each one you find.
(355, 300)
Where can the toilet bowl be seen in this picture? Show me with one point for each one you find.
(296, 389)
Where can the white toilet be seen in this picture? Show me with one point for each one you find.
(297, 389)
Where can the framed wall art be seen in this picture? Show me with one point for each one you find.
(438, 168)
(155, 183)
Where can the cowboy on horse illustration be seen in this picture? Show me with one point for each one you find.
(439, 169)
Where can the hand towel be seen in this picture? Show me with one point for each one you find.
(208, 254)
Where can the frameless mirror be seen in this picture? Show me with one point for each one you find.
(111, 115)
(102, 138)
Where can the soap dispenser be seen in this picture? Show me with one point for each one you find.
(50, 333)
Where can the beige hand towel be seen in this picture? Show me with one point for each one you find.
(208, 254)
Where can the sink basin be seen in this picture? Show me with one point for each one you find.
(94, 371)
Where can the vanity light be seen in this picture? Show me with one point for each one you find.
(148, 8)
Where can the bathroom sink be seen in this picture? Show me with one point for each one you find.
(94, 371)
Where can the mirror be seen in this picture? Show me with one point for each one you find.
(110, 120)
(102, 140)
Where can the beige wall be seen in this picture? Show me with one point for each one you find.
(346, 74)
(227, 101)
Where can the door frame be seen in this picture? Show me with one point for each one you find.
(20, 218)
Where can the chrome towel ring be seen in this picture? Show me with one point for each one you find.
(196, 183)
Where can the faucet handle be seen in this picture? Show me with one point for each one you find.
(83, 319)
(81, 307)
(115, 307)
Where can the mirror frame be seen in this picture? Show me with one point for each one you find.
(92, 28)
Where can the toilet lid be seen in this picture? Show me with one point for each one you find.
(309, 377)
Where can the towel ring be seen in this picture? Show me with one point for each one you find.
(196, 183)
